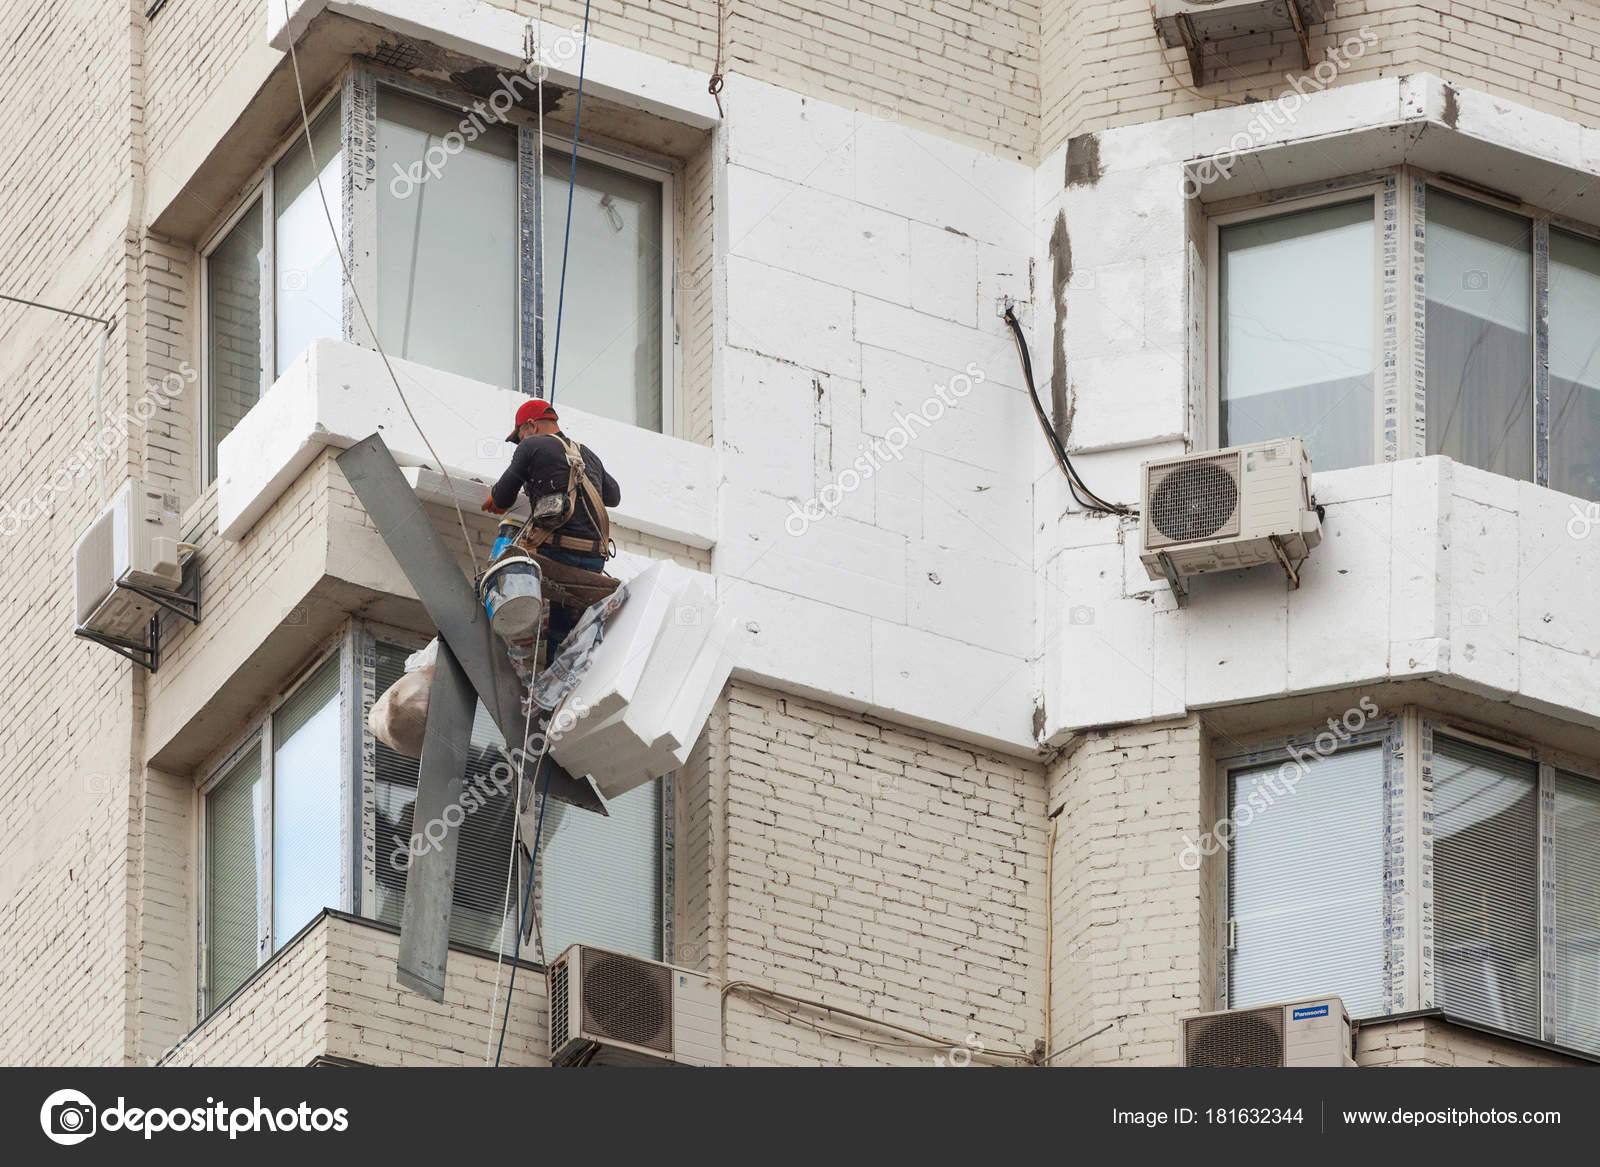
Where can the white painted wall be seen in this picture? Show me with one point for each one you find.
(1426, 569)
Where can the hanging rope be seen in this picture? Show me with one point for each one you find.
(572, 183)
(715, 88)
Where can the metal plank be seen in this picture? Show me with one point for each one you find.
(450, 600)
(431, 878)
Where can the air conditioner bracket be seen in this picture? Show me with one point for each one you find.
(185, 602)
(1180, 590)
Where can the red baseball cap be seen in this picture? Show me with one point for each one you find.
(533, 409)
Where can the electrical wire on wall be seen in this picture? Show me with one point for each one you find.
(1084, 497)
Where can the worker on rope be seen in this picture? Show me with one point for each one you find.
(568, 533)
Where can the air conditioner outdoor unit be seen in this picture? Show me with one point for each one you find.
(1221, 20)
(1227, 509)
(607, 1009)
(132, 543)
(1300, 1033)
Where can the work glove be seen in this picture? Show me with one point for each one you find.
(489, 505)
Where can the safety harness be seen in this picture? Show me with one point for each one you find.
(551, 512)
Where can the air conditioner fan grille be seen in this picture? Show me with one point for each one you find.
(627, 999)
(1193, 500)
(1248, 1038)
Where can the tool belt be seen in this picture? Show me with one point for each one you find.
(545, 522)
(573, 587)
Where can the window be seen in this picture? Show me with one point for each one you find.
(1574, 364)
(1286, 367)
(1411, 864)
(447, 246)
(438, 246)
(273, 826)
(1479, 334)
(1486, 907)
(600, 879)
(1306, 878)
(1406, 318)
(613, 337)
(269, 293)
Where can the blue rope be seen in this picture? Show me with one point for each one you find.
(572, 182)
(522, 916)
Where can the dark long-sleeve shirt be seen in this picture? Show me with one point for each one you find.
(539, 467)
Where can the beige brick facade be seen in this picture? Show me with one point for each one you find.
(1007, 901)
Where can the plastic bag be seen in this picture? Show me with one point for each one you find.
(399, 717)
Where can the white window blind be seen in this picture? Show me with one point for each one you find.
(1486, 885)
(236, 832)
(602, 876)
(236, 289)
(1306, 882)
(1577, 911)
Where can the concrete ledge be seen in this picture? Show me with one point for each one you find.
(495, 35)
(337, 393)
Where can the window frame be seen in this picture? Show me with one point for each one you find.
(1386, 732)
(1289, 204)
(261, 187)
(1409, 737)
(259, 735)
(364, 86)
(1400, 378)
(356, 90)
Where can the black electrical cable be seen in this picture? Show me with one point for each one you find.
(1075, 483)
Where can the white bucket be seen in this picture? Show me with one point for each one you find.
(511, 595)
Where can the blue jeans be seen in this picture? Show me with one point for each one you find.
(563, 618)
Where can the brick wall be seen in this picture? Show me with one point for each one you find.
(1429, 1041)
(1130, 937)
(331, 991)
(1103, 65)
(879, 870)
(964, 68)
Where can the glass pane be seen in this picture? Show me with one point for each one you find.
(235, 278)
(235, 841)
(602, 876)
(447, 240)
(611, 325)
(309, 278)
(307, 823)
(1295, 342)
(1486, 886)
(478, 916)
(1479, 335)
(1306, 877)
(1577, 879)
(1574, 365)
